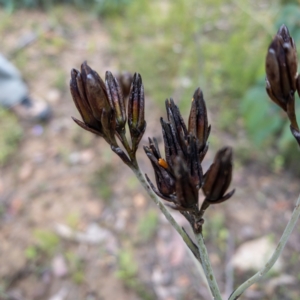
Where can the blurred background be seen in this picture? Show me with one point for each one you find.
(74, 222)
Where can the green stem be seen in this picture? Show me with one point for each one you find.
(201, 252)
(207, 268)
(201, 272)
(165, 211)
(282, 242)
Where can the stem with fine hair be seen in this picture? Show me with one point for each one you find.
(208, 268)
(282, 242)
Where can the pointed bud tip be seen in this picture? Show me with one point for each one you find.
(284, 33)
(198, 92)
(146, 148)
(283, 29)
(74, 72)
(137, 79)
(85, 68)
(226, 154)
(108, 75)
(228, 151)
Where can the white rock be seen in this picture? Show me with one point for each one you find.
(282, 280)
(53, 96)
(61, 295)
(253, 255)
(94, 234)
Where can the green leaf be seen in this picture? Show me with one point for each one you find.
(261, 117)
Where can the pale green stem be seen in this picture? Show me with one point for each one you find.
(201, 272)
(165, 211)
(259, 275)
(207, 268)
(204, 258)
(200, 253)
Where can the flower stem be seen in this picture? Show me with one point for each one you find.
(201, 272)
(282, 242)
(200, 253)
(207, 268)
(165, 211)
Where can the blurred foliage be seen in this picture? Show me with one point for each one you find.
(148, 225)
(127, 266)
(217, 231)
(76, 265)
(102, 182)
(179, 45)
(265, 123)
(221, 47)
(46, 240)
(217, 45)
(11, 133)
(73, 219)
(100, 7)
(45, 244)
(128, 273)
(261, 118)
(31, 252)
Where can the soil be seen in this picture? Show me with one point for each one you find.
(72, 222)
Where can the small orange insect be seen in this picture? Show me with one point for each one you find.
(163, 163)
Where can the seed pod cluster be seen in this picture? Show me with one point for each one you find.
(103, 109)
(90, 97)
(179, 175)
(282, 79)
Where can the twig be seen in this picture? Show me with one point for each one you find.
(166, 213)
(282, 242)
(202, 275)
(229, 279)
(208, 268)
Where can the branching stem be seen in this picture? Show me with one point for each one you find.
(208, 268)
(166, 213)
(282, 242)
(200, 253)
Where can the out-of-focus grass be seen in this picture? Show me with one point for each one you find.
(128, 273)
(219, 46)
(179, 45)
(11, 133)
(266, 126)
(76, 265)
(101, 183)
(100, 7)
(148, 224)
